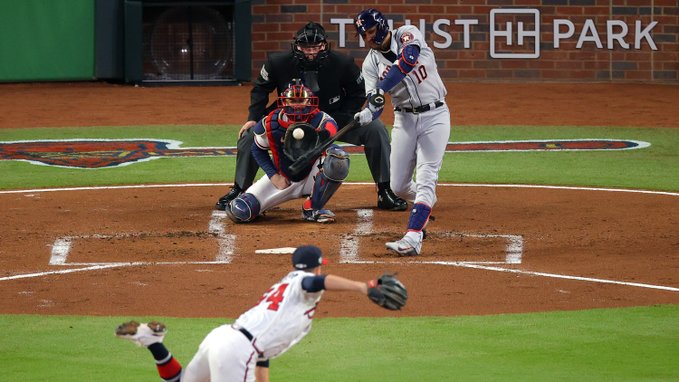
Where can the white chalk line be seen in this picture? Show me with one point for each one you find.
(349, 245)
(226, 241)
(480, 265)
(346, 184)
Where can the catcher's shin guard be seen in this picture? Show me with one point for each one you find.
(243, 209)
(335, 169)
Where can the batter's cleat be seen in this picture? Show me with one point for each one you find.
(143, 334)
(224, 201)
(318, 216)
(387, 200)
(406, 246)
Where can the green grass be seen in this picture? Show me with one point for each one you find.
(630, 344)
(653, 168)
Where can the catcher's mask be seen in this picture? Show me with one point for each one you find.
(298, 102)
(310, 47)
(369, 18)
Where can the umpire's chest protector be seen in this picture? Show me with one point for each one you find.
(329, 76)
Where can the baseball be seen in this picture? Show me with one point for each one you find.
(298, 133)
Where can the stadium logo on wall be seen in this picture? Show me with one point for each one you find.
(109, 153)
(521, 32)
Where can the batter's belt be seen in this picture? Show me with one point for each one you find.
(420, 109)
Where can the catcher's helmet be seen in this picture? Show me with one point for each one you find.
(367, 19)
(298, 102)
(312, 39)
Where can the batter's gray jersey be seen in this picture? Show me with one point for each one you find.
(421, 86)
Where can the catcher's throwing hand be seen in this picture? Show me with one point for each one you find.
(280, 182)
(388, 292)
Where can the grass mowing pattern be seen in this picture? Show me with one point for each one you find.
(626, 344)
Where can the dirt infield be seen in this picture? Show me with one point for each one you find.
(163, 251)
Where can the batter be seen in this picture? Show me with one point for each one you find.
(401, 63)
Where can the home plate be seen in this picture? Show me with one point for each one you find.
(276, 251)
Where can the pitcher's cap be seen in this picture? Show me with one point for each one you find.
(307, 257)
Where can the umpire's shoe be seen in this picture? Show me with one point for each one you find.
(387, 200)
(226, 199)
(142, 334)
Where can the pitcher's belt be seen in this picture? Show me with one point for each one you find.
(244, 331)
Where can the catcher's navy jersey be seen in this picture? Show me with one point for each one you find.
(270, 132)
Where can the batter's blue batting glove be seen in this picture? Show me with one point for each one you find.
(376, 100)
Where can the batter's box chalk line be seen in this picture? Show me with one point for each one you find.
(513, 255)
(349, 247)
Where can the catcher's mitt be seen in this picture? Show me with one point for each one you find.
(293, 147)
(388, 292)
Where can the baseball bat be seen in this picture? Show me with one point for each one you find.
(304, 160)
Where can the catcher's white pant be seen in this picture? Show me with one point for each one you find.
(418, 143)
(225, 355)
(269, 196)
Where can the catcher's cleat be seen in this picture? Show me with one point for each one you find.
(387, 200)
(406, 246)
(224, 201)
(142, 334)
(318, 216)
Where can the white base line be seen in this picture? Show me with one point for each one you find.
(60, 272)
(475, 265)
(98, 266)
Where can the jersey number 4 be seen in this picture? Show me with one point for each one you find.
(274, 297)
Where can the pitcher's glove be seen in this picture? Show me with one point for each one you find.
(293, 147)
(388, 292)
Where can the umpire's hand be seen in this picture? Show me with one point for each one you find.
(246, 126)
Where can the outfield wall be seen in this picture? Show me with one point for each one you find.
(474, 40)
(562, 40)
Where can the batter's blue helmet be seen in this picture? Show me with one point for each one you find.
(367, 19)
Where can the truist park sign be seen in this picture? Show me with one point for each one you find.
(515, 33)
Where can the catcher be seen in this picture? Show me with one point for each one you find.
(289, 131)
(281, 318)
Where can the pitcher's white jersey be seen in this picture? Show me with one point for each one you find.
(421, 86)
(282, 317)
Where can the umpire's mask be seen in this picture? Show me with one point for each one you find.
(310, 47)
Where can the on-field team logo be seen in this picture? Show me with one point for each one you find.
(109, 153)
